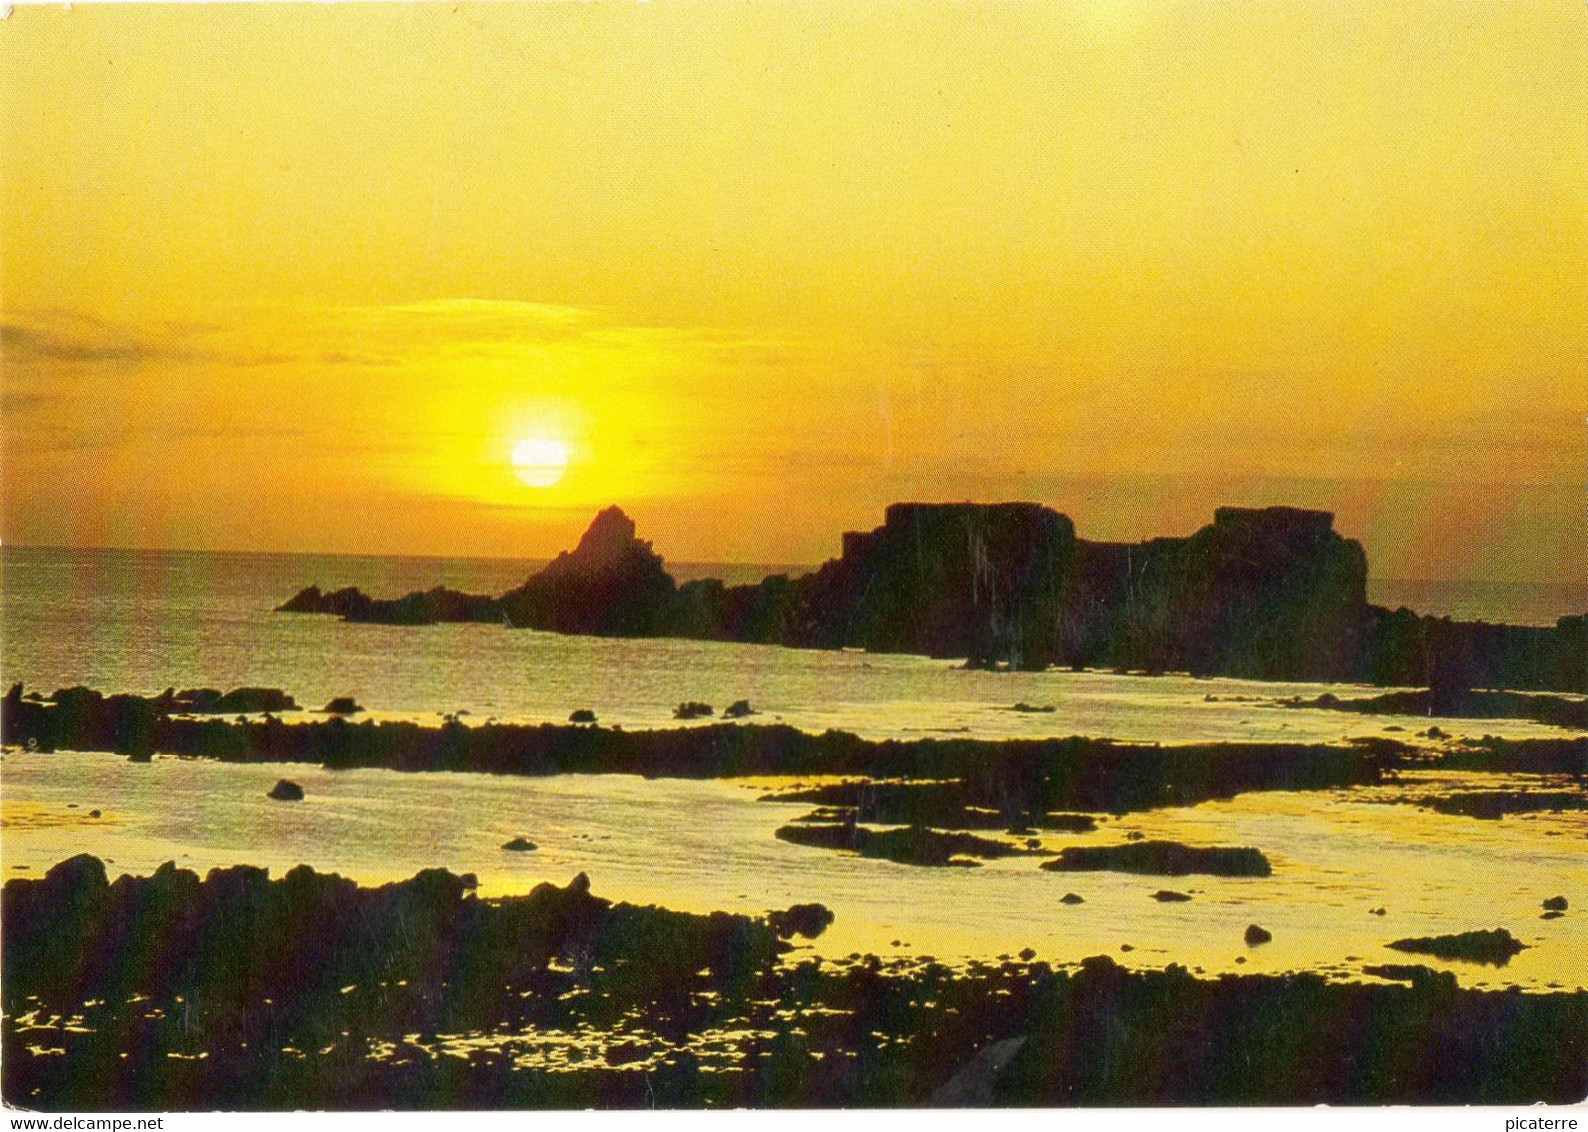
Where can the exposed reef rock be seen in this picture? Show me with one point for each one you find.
(1162, 858)
(913, 845)
(959, 783)
(1268, 593)
(1459, 703)
(1495, 946)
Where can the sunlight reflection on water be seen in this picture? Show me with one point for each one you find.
(705, 845)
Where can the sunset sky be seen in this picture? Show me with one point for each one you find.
(302, 278)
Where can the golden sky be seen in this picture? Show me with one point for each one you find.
(300, 278)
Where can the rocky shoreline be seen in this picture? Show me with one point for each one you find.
(148, 994)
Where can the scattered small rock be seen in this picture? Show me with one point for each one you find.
(1126, 947)
(1555, 904)
(1033, 709)
(1552, 915)
(1376, 912)
(93, 813)
(1256, 935)
(692, 709)
(1169, 896)
(286, 790)
(737, 710)
(520, 845)
(1072, 898)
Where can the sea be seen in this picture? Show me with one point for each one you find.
(142, 621)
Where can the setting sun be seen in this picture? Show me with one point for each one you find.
(540, 462)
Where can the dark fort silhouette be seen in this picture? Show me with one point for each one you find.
(1271, 593)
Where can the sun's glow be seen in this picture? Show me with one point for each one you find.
(540, 462)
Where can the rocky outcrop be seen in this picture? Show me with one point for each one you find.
(429, 607)
(611, 585)
(982, 582)
(1266, 593)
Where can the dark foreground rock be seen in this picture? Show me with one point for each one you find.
(1162, 858)
(152, 994)
(1495, 946)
